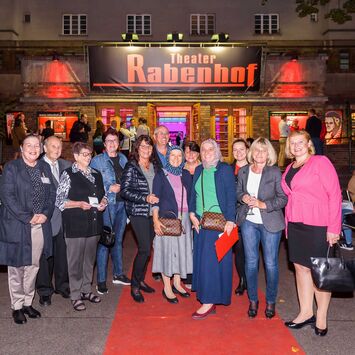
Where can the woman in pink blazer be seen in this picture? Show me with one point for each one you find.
(313, 219)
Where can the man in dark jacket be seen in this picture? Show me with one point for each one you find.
(57, 264)
(80, 130)
(314, 128)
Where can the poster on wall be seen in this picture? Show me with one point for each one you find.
(295, 120)
(334, 127)
(10, 120)
(135, 68)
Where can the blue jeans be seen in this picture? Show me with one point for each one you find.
(252, 235)
(119, 220)
(346, 230)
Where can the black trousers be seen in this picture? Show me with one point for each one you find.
(239, 257)
(144, 232)
(57, 265)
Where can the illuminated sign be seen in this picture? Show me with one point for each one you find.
(165, 69)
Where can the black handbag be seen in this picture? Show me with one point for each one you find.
(332, 274)
(107, 237)
(211, 220)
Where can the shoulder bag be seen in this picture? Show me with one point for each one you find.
(172, 227)
(107, 237)
(211, 220)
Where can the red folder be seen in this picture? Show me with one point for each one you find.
(225, 242)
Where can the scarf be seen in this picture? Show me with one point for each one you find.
(171, 169)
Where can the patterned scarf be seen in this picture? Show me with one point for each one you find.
(171, 169)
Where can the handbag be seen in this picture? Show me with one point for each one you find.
(107, 237)
(332, 274)
(211, 220)
(172, 227)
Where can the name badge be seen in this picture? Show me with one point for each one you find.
(45, 180)
(94, 202)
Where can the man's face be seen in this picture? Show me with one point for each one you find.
(329, 124)
(111, 144)
(53, 148)
(162, 136)
(84, 119)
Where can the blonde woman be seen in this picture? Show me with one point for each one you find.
(260, 218)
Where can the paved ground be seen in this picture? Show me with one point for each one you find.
(63, 331)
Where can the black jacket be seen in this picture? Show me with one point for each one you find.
(135, 189)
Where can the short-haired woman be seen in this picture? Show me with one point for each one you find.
(260, 202)
(81, 198)
(137, 191)
(213, 190)
(313, 215)
(27, 194)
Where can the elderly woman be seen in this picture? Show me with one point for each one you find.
(313, 215)
(27, 193)
(260, 202)
(137, 191)
(80, 197)
(240, 150)
(172, 254)
(213, 190)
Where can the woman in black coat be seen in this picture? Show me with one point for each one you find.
(136, 190)
(27, 193)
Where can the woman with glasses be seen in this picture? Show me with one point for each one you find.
(81, 198)
(137, 191)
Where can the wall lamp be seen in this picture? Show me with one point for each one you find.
(130, 37)
(220, 37)
(174, 37)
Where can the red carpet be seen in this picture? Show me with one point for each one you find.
(158, 327)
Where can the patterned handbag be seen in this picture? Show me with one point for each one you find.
(172, 227)
(211, 220)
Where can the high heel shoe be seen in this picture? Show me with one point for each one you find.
(270, 310)
(239, 291)
(320, 332)
(253, 309)
(170, 300)
(198, 316)
(293, 325)
(182, 294)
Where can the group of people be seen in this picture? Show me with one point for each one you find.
(53, 212)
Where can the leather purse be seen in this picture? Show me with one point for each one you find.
(332, 274)
(107, 237)
(211, 220)
(173, 226)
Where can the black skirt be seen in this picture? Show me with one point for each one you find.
(305, 241)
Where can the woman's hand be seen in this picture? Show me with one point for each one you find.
(84, 205)
(38, 218)
(195, 222)
(332, 238)
(102, 205)
(255, 203)
(158, 227)
(229, 227)
(246, 199)
(116, 188)
(152, 199)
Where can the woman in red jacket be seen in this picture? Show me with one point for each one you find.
(313, 216)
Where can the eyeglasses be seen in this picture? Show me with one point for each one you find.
(86, 154)
(113, 141)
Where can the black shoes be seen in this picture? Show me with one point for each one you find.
(310, 321)
(239, 291)
(170, 300)
(320, 332)
(182, 294)
(31, 312)
(157, 276)
(45, 301)
(253, 309)
(270, 310)
(137, 295)
(146, 288)
(19, 316)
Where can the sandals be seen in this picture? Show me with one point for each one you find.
(78, 305)
(90, 297)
